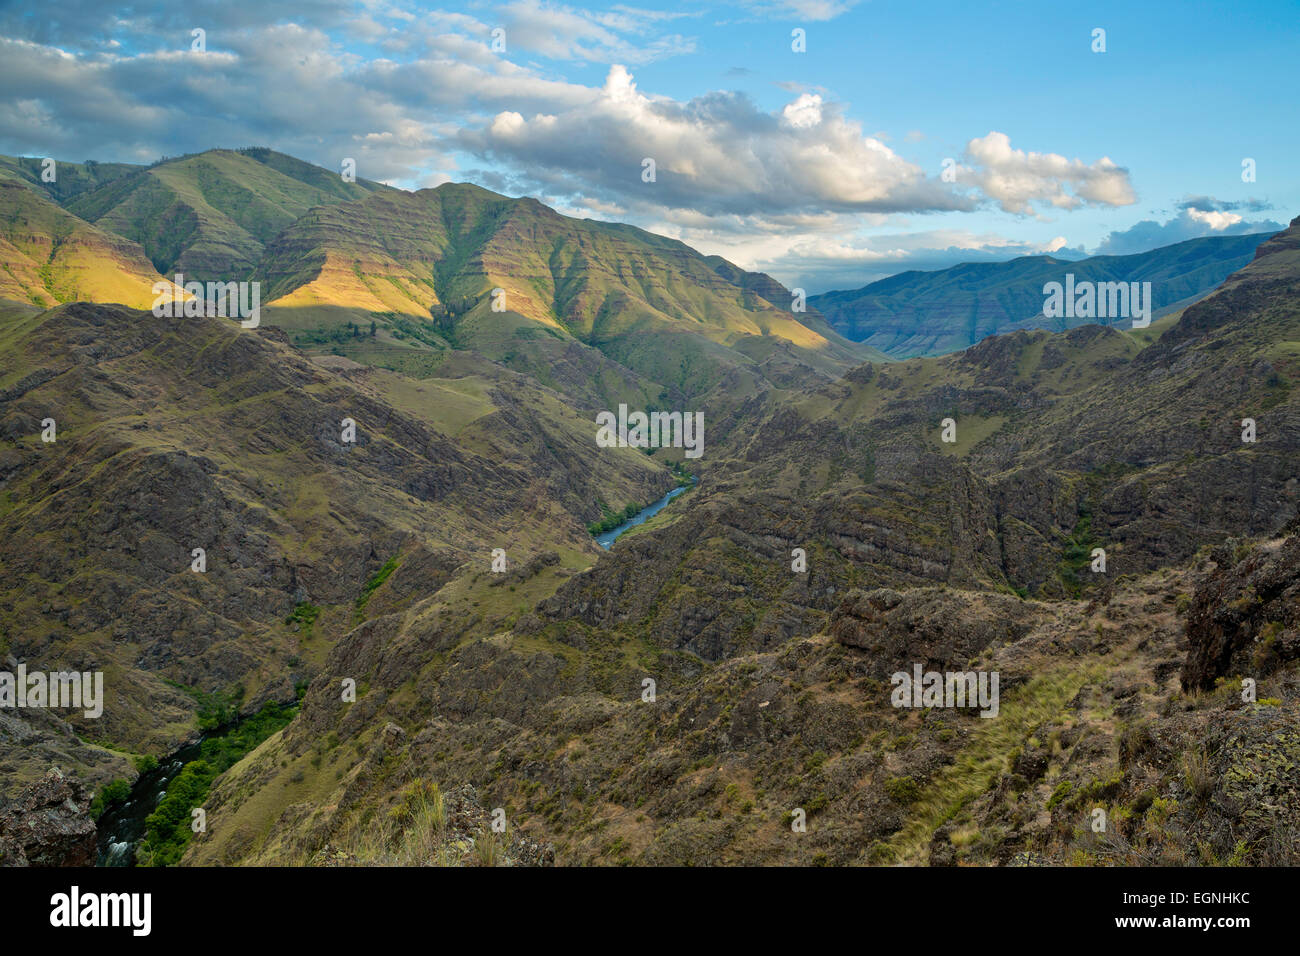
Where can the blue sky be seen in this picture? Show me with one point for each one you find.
(822, 167)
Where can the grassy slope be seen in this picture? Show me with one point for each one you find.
(210, 215)
(48, 255)
(650, 303)
(172, 435)
(70, 179)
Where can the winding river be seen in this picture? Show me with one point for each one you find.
(641, 517)
(121, 827)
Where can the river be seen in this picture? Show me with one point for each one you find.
(641, 517)
(121, 826)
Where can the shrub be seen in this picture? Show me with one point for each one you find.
(112, 792)
(903, 790)
(1197, 775)
(377, 579)
(1060, 793)
(304, 614)
(145, 763)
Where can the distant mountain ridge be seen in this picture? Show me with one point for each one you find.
(930, 313)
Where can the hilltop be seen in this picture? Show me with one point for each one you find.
(209, 216)
(427, 264)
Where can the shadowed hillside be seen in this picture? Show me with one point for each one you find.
(926, 313)
(181, 434)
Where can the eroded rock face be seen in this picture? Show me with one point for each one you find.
(1245, 616)
(936, 627)
(48, 824)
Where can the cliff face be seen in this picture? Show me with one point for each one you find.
(1245, 618)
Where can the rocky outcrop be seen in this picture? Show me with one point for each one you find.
(938, 628)
(1245, 616)
(48, 824)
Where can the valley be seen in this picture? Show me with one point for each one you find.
(676, 652)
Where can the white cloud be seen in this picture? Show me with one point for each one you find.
(1016, 180)
(1197, 217)
(718, 153)
(812, 10)
(1215, 220)
(803, 112)
(561, 32)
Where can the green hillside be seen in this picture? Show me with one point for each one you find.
(424, 266)
(48, 255)
(70, 179)
(209, 216)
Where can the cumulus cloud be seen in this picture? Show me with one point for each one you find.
(718, 153)
(1017, 180)
(1197, 217)
(438, 95)
(310, 91)
(283, 85)
(1215, 221)
(286, 87)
